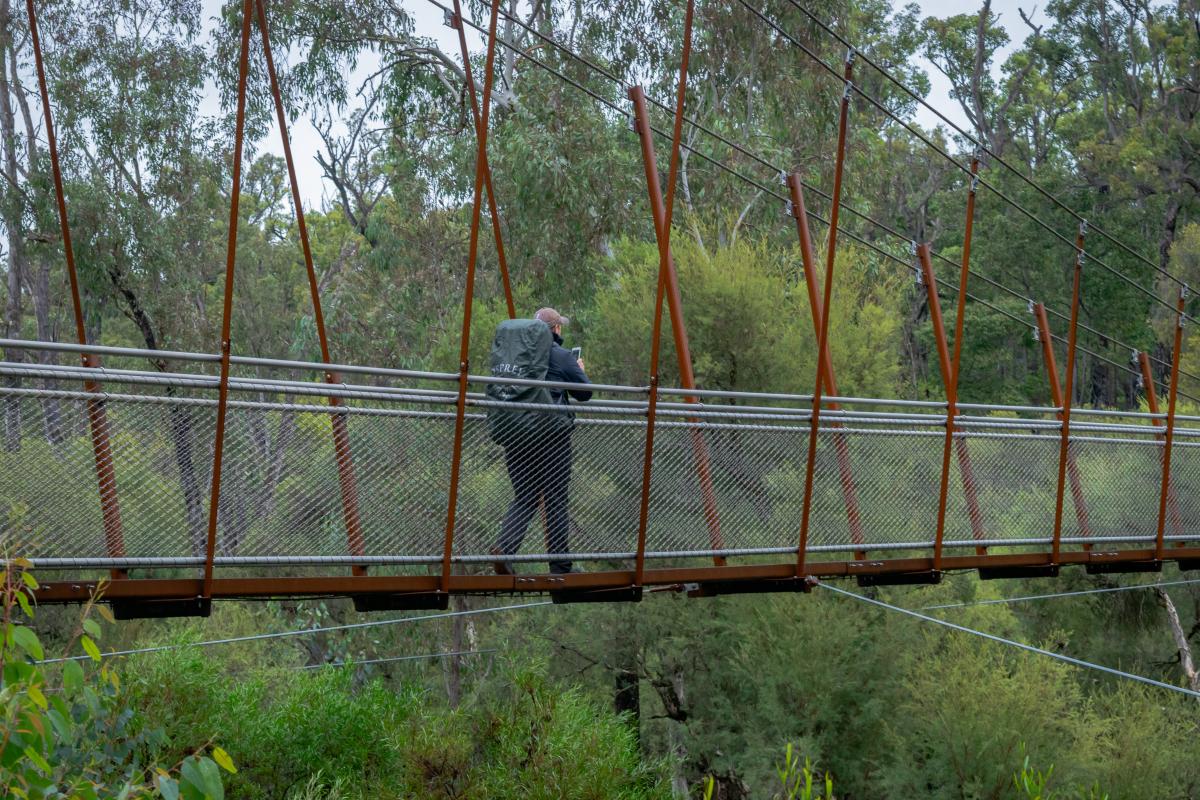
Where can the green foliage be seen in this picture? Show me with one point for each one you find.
(325, 734)
(800, 782)
(70, 734)
(534, 740)
(748, 320)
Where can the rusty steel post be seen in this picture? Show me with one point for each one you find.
(1160, 541)
(947, 370)
(1147, 373)
(1056, 394)
(823, 339)
(456, 23)
(1067, 399)
(841, 446)
(468, 296)
(974, 514)
(663, 235)
(678, 328)
(341, 435)
(227, 310)
(106, 475)
(950, 372)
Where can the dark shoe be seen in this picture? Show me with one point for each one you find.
(501, 567)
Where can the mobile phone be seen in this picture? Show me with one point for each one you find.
(577, 352)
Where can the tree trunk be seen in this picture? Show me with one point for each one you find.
(453, 664)
(627, 695)
(11, 214)
(1186, 662)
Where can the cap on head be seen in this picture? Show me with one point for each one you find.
(551, 317)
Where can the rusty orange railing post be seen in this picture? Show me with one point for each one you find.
(1143, 361)
(950, 371)
(663, 235)
(974, 514)
(641, 118)
(1169, 436)
(227, 310)
(106, 475)
(1056, 394)
(1067, 398)
(969, 486)
(823, 339)
(947, 370)
(841, 446)
(468, 296)
(456, 22)
(341, 434)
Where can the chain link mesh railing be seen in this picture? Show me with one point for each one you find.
(725, 480)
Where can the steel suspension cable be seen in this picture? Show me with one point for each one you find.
(600, 70)
(962, 167)
(422, 657)
(760, 186)
(302, 632)
(980, 145)
(1056, 595)
(1076, 662)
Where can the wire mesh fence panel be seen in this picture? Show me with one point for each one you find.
(1183, 518)
(163, 460)
(1118, 476)
(49, 491)
(1016, 476)
(49, 503)
(279, 487)
(726, 486)
(549, 489)
(402, 471)
(552, 487)
(896, 476)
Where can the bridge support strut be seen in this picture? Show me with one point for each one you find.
(662, 232)
(468, 298)
(823, 339)
(678, 328)
(841, 446)
(1169, 436)
(106, 474)
(227, 310)
(347, 482)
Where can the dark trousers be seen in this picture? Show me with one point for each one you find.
(539, 470)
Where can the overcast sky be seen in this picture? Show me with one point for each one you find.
(428, 21)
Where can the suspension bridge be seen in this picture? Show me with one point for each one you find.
(219, 476)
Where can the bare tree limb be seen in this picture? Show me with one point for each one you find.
(1186, 663)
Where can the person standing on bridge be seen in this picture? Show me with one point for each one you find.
(539, 462)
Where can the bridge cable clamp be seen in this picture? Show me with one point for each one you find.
(789, 209)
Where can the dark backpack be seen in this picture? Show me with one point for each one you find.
(521, 349)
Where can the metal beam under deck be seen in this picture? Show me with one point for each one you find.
(79, 590)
